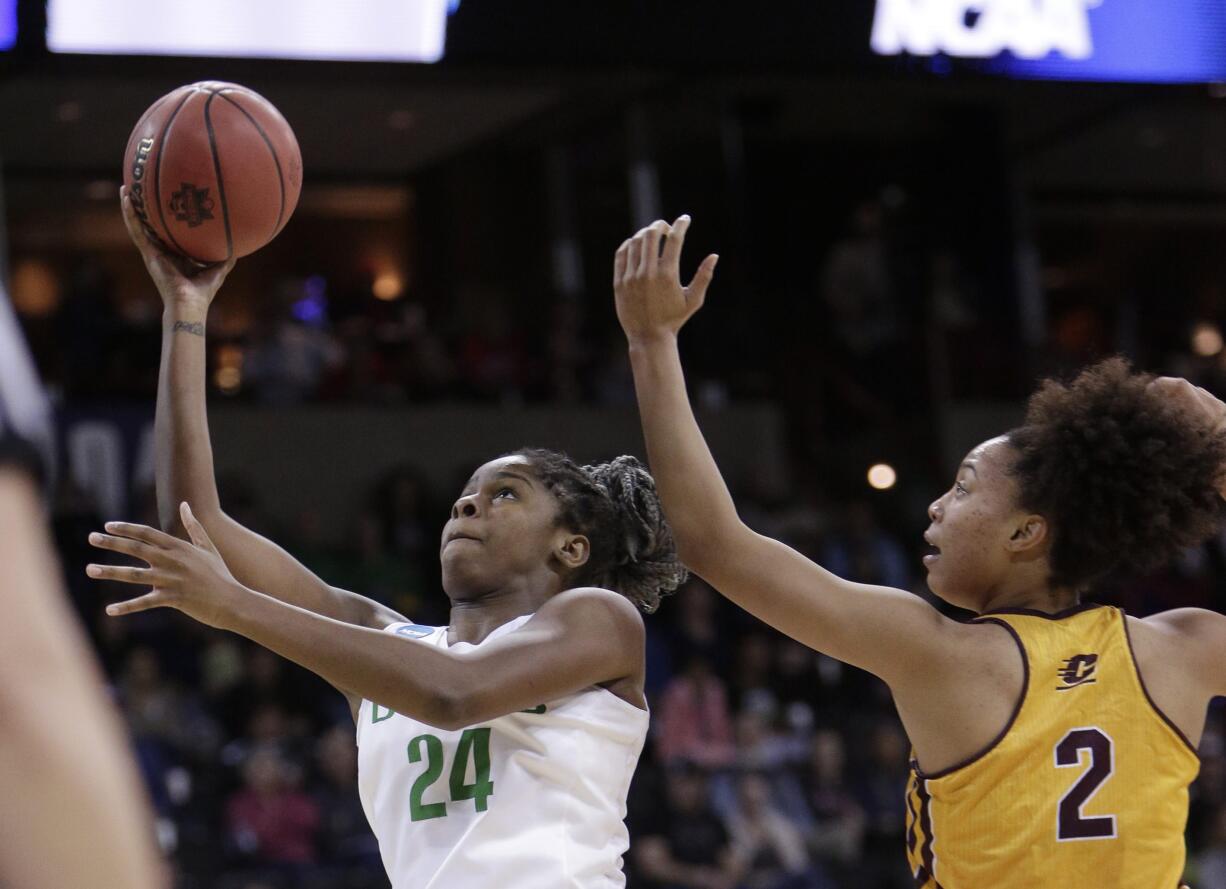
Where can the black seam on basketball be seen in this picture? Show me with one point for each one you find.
(157, 180)
(221, 188)
(271, 150)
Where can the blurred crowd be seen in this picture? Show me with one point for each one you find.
(310, 340)
(768, 765)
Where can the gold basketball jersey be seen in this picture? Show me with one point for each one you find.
(1087, 786)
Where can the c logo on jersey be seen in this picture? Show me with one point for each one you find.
(1077, 670)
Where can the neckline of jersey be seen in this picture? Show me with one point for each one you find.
(1046, 615)
(523, 618)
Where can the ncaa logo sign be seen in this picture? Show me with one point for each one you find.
(1030, 29)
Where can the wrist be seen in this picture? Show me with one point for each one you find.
(192, 312)
(652, 339)
(193, 308)
(232, 603)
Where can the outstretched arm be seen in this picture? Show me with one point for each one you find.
(885, 631)
(577, 639)
(184, 455)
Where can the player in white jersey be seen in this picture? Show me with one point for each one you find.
(496, 751)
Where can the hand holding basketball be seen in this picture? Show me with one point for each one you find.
(651, 301)
(178, 280)
(189, 576)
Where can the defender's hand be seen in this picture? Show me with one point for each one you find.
(191, 577)
(651, 301)
(178, 280)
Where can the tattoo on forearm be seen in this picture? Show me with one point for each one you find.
(189, 326)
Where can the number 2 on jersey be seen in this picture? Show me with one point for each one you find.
(475, 745)
(1071, 824)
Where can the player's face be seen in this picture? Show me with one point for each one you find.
(502, 527)
(972, 523)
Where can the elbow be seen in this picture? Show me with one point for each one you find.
(447, 710)
(449, 713)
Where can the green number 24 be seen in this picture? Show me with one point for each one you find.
(474, 744)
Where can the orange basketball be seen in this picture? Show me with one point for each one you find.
(213, 170)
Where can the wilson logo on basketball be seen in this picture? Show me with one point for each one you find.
(1077, 670)
(191, 205)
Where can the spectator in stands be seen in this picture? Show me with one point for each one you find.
(348, 848)
(769, 848)
(838, 827)
(694, 723)
(877, 791)
(683, 844)
(271, 825)
(864, 552)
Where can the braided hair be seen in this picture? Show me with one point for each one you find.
(616, 507)
(1126, 480)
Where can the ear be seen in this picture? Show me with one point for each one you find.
(1029, 536)
(573, 550)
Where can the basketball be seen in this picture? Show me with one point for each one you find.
(213, 171)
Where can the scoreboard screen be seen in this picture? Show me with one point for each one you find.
(1171, 41)
(345, 30)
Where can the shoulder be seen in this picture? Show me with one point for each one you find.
(1193, 639)
(1180, 620)
(595, 609)
(1187, 631)
(1195, 627)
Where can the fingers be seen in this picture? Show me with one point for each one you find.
(650, 256)
(696, 293)
(634, 251)
(123, 574)
(671, 258)
(144, 533)
(127, 546)
(136, 228)
(195, 530)
(619, 262)
(140, 603)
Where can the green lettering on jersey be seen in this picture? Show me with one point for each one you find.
(474, 747)
(538, 709)
(375, 715)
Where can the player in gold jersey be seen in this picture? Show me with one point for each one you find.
(1053, 740)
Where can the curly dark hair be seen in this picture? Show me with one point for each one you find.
(616, 507)
(1125, 479)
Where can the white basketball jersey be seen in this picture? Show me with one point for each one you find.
(525, 801)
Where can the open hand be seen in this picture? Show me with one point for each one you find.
(178, 280)
(651, 301)
(191, 577)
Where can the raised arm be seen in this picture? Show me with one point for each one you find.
(577, 639)
(184, 456)
(888, 632)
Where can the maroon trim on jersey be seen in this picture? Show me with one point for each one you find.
(1017, 708)
(1141, 679)
(928, 862)
(1058, 615)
